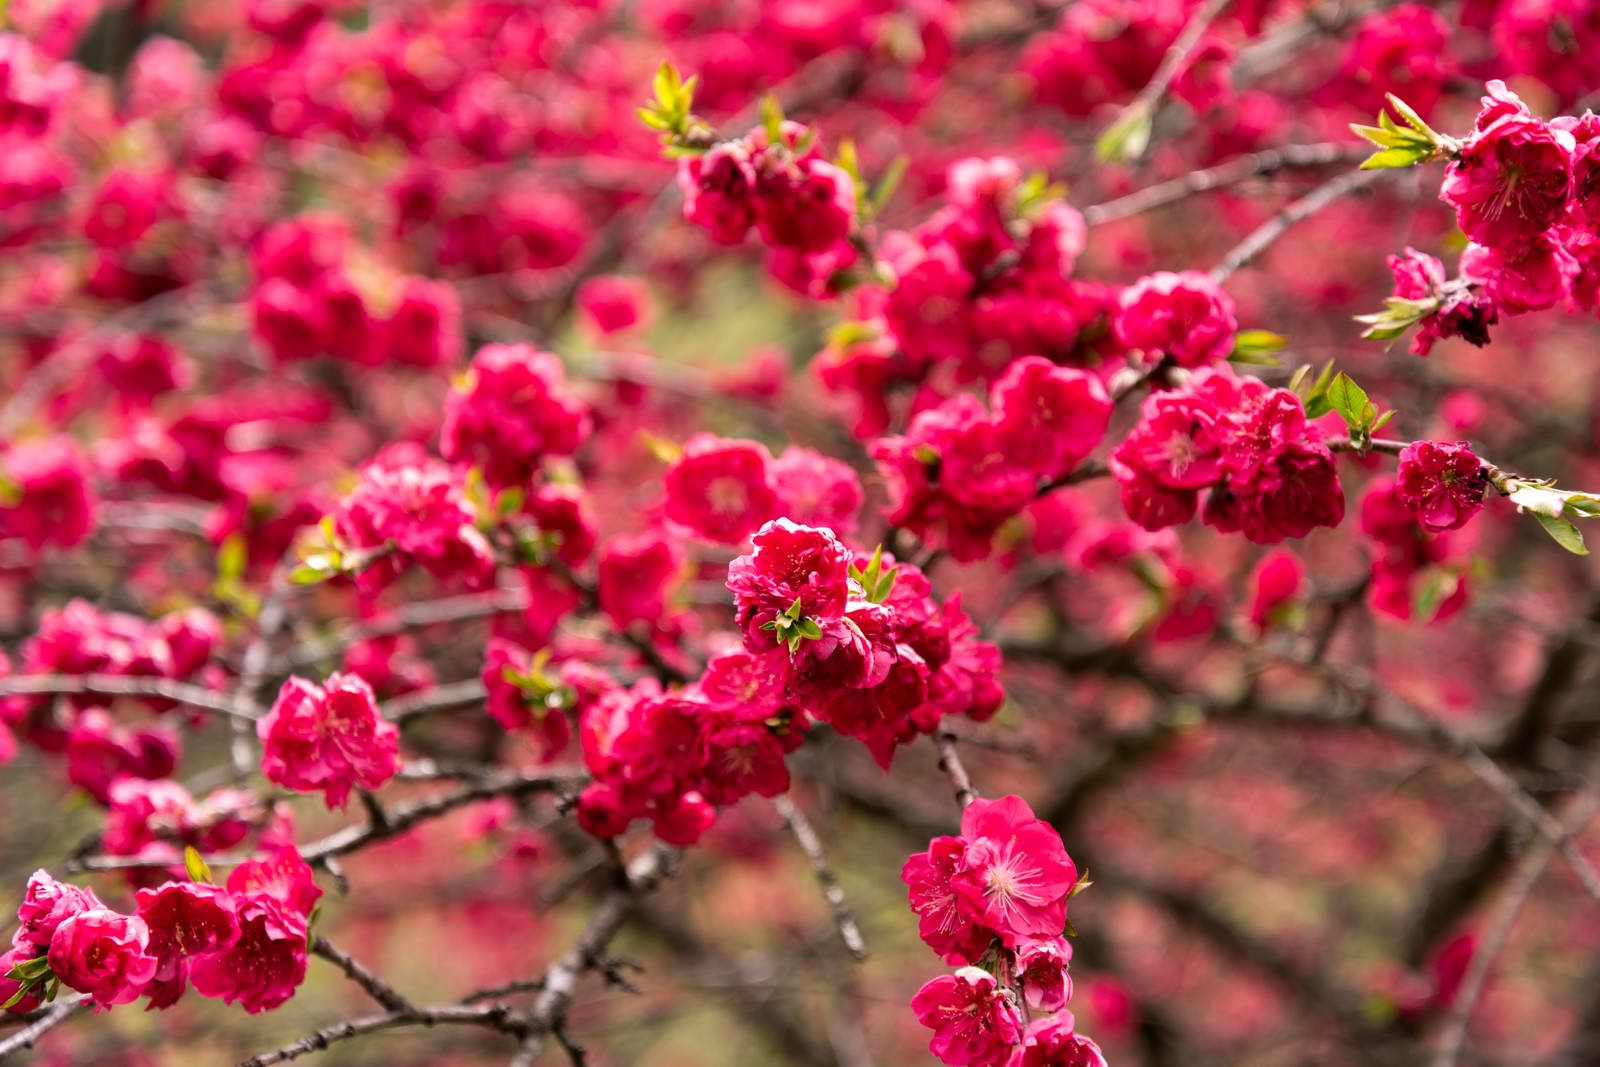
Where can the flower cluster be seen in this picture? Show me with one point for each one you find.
(81, 639)
(981, 284)
(1267, 472)
(967, 472)
(723, 489)
(245, 942)
(859, 642)
(673, 758)
(780, 184)
(156, 820)
(996, 896)
(330, 737)
(510, 410)
(1184, 317)
(1522, 191)
(409, 508)
(309, 300)
(45, 495)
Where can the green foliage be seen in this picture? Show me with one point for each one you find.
(1401, 146)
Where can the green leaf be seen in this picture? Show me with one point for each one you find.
(1350, 401)
(847, 160)
(1255, 347)
(1125, 139)
(809, 629)
(312, 572)
(772, 122)
(795, 610)
(1414, 120)
(1383, 420)
(16, 998)
(888, 182)
(1399, 156)
(662, 449)
(510, 501)
(199, 870)
(232, 557)
(1565, 533)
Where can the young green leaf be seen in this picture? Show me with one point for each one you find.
(195, 864)
(1565, 533)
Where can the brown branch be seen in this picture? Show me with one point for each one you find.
(1262, 238)
(194, 696)
(806, 835)
(950, 764)
(51, 1018)
(1242, 168)
(376, 987)
(1579, 811)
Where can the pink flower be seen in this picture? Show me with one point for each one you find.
(512, 409)
(1051, 1042)
(1513, 178)
(1054, 415)
(283, 876)
(634, 576)
(720, 489)
(788, 563)
(719, 191)
(1442, 484)
(808, 205)
(46, 904)
(186, 919)
(945, 923)
(1183, 315)
(1461, 308)
(53, 503)
(424, 329)
(973, 1021)
(816, 490)
(264, 967)
(1532, 275)
(1015, 874)
(611, 303)
(102, 953)
(328, 737)
(1275, 582)
(1042, 972)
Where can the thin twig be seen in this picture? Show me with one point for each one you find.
(950, 764)
(1498, 927)
(806, 835)
(376, 987)
(193, 696)
(1263, 236)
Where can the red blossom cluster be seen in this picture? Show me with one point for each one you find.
(996, 897)
(243, 943)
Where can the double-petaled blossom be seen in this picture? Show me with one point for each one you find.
(512, 408)
(263, 967)
(1442, 483)
(1052, 1042)
(329, 737)
(1183, 315)
(46, 904)
(185, 920)
(1266, 469)
(1512, 179)
(721, 488)
(1007, 877)
(103, 954)
(410, 508)
(975, 1022)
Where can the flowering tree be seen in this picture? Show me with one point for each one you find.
(523, 504)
